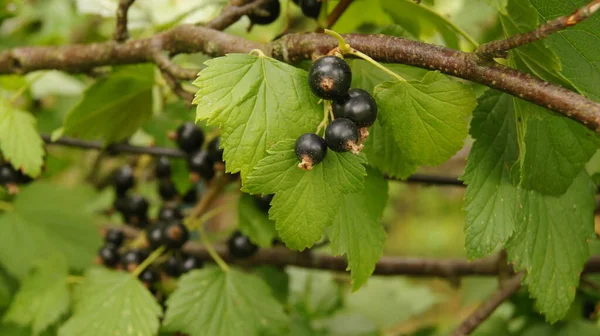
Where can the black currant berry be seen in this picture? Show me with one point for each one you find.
(137, 211)
(265, 14)
(175, 234)
(8, 175)
(109, 256)
(342, 135)
(189, 137)
(190, 263)
(167, 190)
(311, 8)
(163, 167)
(168, 213)
(191, 196)
(358, 106)
(330, 77)
(124, 179)
(310, 150)
(115, 237)
(240, 246)
(121, 204)
(172, 266)
(132, 258)
(156, 236)
(201, 166)
(214, 151)
(263, 202)
(23, 178)
(149, 277)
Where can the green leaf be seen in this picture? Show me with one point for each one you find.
(43, 297)
(254, 222)
(315, 293)
(491, 200)
(569, 328)
(357, 231)
(213, 302)
(47, 219)
(255, 101)
(112, 303)
(383, 153)
(305, 202)
(428, 118)
(499, 5)
(277, 279)
(367, 76)
(20, 142)
(550, 242)
(114, 107)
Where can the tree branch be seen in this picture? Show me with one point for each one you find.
(487, 308)
(232, 13)
(337, 12)
(500, 48)
(121, 33)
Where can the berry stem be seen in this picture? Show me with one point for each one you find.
(196, 224)
(23, 88)
(211, 250)
(375, 63)
(327, 112)
(6, 206)
(343, 46)
(148, 261)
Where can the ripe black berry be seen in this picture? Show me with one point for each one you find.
(358, 106)
(109, 256)
(168, 213)
(8, 175)
(214, 151)
(172, 266)
(265, 14)
(310, 150)
(124, 179)
(330, 77)
(191, 196)
(115, 237)
(191, 263)
(189, 137)
(156, 236)
(175, 234)
(121, 204)
(342, 135)
(163, 167)
(136, 212)
(240, 246)
(263, 202)
(311, 8)
(167, 190)
(23, 178)
(149, 277)
(201, 166)
(132, 258)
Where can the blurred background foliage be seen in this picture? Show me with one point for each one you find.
(422, 221)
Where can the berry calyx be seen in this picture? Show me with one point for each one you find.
(240, 246)
(190, 263)
(114, 237)
(172, 266)
(189, 137)
(358, 106)
(109, 256)
(200, 166)
(310, 150)
(175, 235)
(311, 8)
(169, 213)
(163, 167)
(263, 202)
(214, 151)
(167, 190)
(330, 77)
(266, 13)
(124, 179)
(342, 135)
(155, 236)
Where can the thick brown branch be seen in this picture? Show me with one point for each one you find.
(232, 13)
(501, 47)
(337, 12)
(121, 33)
(487, 308)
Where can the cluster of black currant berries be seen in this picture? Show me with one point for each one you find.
(270, 10)
(11, 178)
(354, 110)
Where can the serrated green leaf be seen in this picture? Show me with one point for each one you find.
(313, 292)
(19, 139)
(112, 303)
(499, 5)
(357, 231)
(254, 222)
(429, 118)
(383, 153)
(550, 242)
(256, 102)
(367, 76)
(43, 297)
(216, 303)
(277, 279)
(305, 202)
(491, 200)
(114, 107)
(47, 219)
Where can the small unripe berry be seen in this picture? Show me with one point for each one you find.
(330, 77)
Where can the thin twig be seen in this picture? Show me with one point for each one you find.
(121, 33)
(232, 13)
(215, 188)
(337, 12)
(487, 308)
(500, 48)
(166, 65)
